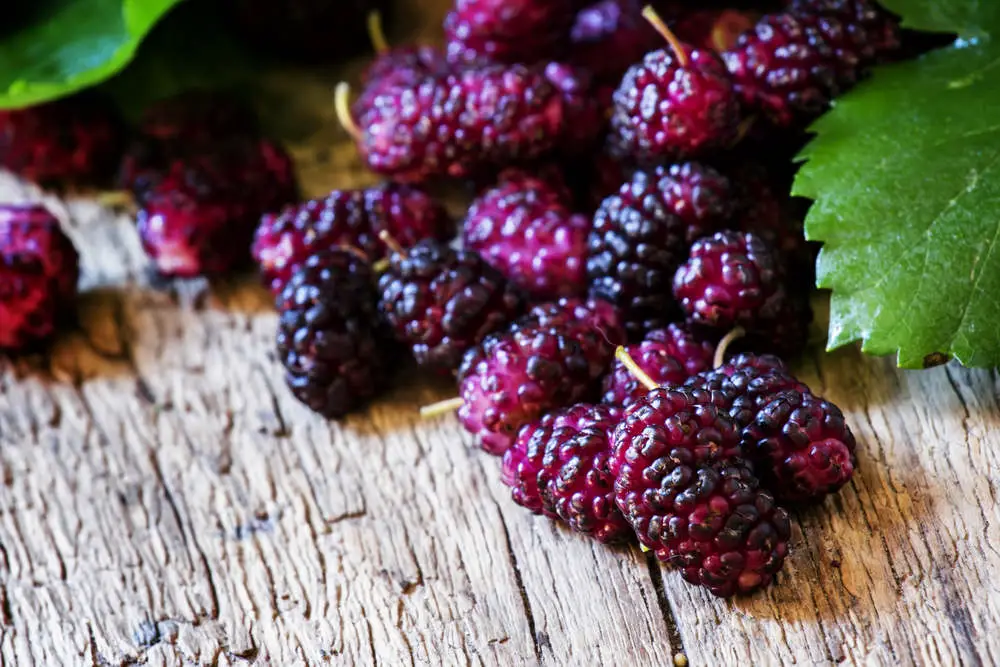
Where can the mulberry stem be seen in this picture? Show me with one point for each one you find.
(391, 243)
(342, 104)
(441, 407)
(376, 32)
(654, 19)
(727, 340)
(623, 356)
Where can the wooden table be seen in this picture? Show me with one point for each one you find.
(164, 500)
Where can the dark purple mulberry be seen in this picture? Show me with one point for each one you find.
(441, 302)
(635, 247)
(881, 29)
(78, 139)
(714, 523)
(335, 348)
(198, 217)
(697, 194)
(541, 363)
(789, 66)
(691, 499)
(801, 446)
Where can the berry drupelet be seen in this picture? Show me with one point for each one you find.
(441, 302)
(39, 270)
(508, 31)
(541, 363)
(284, 240)
(78, 139)
(681, 484)
(667, 356)
(730, 279)
(635, 247)
(675, 104)
(525, 229)
(801, 447)
(334, 346)
(559, 466)
(458, 124)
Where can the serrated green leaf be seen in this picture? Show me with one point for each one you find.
(63, 46)
(906, 174)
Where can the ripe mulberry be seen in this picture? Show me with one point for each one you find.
(801, 446)
(441, 302)
(697, 194)
(335, 348)
(524, 228)
(881, 30)
(714, 523)
(286, 239)
(668, 356)
(785, 68)
(541, 363)
(730, 279)
(675, 104)
(560, 467)
(399, 67)
(78, 139)
(508, 31)
(198, 218)
(39, 270)
(458, 124)
(635, 247)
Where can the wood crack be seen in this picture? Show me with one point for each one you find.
(666, 611)
(525, 601)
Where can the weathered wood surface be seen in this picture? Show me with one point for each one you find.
(165, 501)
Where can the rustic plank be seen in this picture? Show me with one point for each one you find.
(165, 501)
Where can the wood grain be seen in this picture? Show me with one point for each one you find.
(164, 501)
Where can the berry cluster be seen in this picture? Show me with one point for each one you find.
(619, 244)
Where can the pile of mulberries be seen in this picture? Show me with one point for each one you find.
(625, 287)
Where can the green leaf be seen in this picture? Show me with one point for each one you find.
(906, 174)
(63, 46)
(193, 48)
(967, 18)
